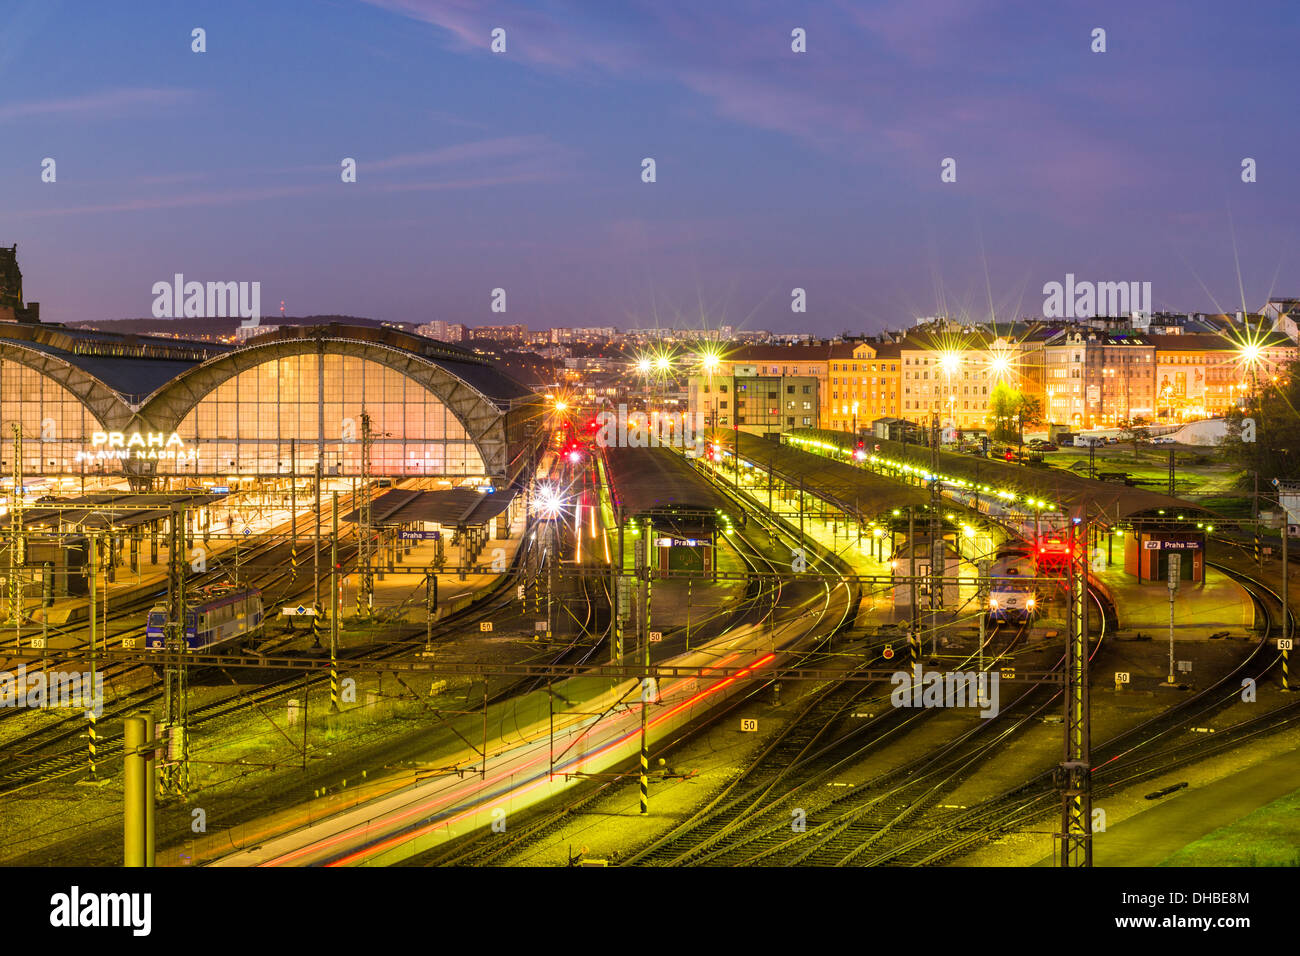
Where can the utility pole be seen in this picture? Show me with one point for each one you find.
(1174, 569)
(1259, 553)
(552, 560)
(17, 557)
(1286, 607)
(365, 593)
(643, 640)
(430, 606)
(937, 553)
(92, 562)
(914, 637)
(1285, 643)
(293, 510)
(137, 844)
(616, 602)
(315, 562)
(334, 608)
(176, 774)
(982, 602)
(1074, 776)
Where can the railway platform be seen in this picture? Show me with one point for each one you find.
(390, 590)
(1219, 607)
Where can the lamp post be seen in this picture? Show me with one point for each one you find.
(645, 367)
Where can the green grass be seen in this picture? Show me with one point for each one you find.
(1152, 464)
(1267, 837)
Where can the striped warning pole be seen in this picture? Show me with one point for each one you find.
(645, 779)
(315, 625)
(94, 734)
(1286, 673)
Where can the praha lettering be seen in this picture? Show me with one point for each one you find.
(154, 446)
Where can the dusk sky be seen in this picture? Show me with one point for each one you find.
(775, 169)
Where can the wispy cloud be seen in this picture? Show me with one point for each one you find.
(142, 203)
(105, 103)
(506, 147)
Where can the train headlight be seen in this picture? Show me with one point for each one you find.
(993, 604)
(1030, 604)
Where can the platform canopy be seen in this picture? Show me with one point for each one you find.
(662, 486)
(453, 507)
(1111, 502)
(849, 487)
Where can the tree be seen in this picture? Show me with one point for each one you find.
(1134, 432)
(1029, 410)
(1003, 412)
(1265, 435)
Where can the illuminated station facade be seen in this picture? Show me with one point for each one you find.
(96, 415)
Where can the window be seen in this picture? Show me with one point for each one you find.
(789, 389)
(807, 389)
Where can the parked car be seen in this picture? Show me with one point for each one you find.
(1039, 445)
(1163, 440)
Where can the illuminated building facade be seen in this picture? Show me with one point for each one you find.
(287, 402)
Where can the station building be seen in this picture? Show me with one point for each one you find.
(163, 414)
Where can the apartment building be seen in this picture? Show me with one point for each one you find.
(1096, 379)
(952, 374)
(752, 402)
(862, 386)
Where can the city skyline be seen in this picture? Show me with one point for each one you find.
(521, 170)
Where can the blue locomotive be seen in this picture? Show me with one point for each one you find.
(1012, 596)
(217, 616)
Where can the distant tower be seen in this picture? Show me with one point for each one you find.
(282, 311)
(12, 308)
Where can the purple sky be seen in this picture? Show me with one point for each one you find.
(775, 169)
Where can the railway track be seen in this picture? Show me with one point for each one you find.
(30, 764)
(760, 603)
(1140, 753)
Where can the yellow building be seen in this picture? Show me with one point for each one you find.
(952, 374)
(863, 385)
